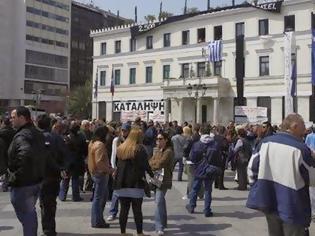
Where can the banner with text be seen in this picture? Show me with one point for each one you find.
(245, 114)
(148, 106)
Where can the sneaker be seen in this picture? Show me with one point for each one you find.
(111, 218)
(102, 226)
(209, 214)
(160, 233)
(189, 209)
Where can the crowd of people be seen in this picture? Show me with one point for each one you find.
(123, 163)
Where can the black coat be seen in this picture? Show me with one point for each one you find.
(130, 172)
(26, 157)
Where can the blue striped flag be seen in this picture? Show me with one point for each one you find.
(215, 51)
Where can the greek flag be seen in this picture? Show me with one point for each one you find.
(215, 51)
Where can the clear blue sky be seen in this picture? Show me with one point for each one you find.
(146, 7)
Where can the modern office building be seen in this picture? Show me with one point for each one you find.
(34, 53)
(160, 69)
(84, 19)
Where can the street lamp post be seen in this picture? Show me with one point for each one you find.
(197, 91)
(37, 96)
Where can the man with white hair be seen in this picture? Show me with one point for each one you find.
(280, 172)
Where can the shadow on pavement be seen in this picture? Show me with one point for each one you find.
(173, 217)
(240, 215)
(229, 198)
(89, 234)
(198, 229)
(5, 228)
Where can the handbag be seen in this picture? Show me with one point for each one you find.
(157, 179)
(204, 169)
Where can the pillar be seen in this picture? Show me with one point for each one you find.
(215, 111)
(252, 102)
(181, 110)
(166, 109)
(276, 110)
(198, 110)
(303, 107)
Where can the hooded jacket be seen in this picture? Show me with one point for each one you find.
(197, 151)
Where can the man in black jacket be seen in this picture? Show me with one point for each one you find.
(26, 166)
(50, 186)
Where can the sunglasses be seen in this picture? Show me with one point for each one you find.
(264, 127)
(160, 138)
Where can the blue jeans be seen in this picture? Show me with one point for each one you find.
(64, 186)
(24, 200)
(99, 199)
(113, 211)
(196, 185)
(160, 210)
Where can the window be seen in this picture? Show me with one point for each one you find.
(46, 59)
(265, 102)
(201, 35)
(289, 23)
(103, 78)
(239, 29)
(217, 32)
(185, 70)
(167, 40)
(118, 46)
(201, 69)
(117, 77)
(185, 37)
(217, 68)
(166, 71)
(264, 65)
(148, 74)
(149, 42)
(133, 45)
(263, 27)
(103, 48)
(132, 76)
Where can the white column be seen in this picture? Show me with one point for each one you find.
(181, 110)
(276, 110)
(166, 109)
(109, 113)
(252, 102)
(303, 107)
(215, 110)
(198, 110)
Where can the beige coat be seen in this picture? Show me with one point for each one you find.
(98, 161)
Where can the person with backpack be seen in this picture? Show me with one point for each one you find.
(242, 151)
(205, 156)
(50, 185)
(26, 168)
(77, 150)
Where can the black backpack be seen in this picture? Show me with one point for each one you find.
(52, 168)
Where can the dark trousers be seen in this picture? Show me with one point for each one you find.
(276, 227)
(242, 175)
(136, 203)
(47, 198)
(219, 181)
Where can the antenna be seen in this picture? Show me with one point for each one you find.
(185, 8)
(136, 14)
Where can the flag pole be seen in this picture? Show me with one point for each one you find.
(96, 94)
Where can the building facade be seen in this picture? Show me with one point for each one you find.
(167, 62)
(35, 53)
(85, 18)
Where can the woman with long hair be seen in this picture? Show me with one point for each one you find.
(163, 158)
(129, 182)
(99, 167)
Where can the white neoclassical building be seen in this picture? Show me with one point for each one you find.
(160, 70)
